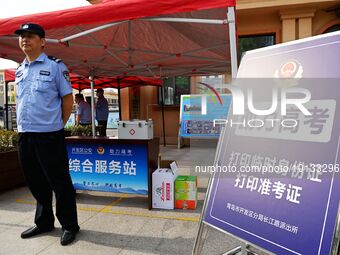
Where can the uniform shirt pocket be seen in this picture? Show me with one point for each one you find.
(43, 83)
(19, 85)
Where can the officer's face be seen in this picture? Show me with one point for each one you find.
(31, 43)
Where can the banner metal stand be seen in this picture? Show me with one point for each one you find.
(244, 249)
(197, 246)
(336, 238)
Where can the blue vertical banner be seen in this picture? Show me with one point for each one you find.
(119, 168)
(112, 121)
(201, 124)
(71, 121)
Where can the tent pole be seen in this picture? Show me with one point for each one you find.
(119, 101)
(172, 56)
(6, 104)
(162, 94)
(233, 40)
(93, 30)
(112, 54)
(92, 103)
(186, 20)
(129, 43)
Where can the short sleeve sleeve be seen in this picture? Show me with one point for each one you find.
(63, 80)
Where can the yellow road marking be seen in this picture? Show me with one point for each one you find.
(115, 202)
(156, 216)
(90, 209)
(24, 202)
(108, 207)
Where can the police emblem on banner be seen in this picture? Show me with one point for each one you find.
(290, 69)
(100, 150)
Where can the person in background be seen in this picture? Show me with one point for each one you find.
(83, 113)
(102, 112)
(44, 104)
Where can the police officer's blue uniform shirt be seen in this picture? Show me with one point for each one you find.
(102, 109)
(84, 111)
(40, 88)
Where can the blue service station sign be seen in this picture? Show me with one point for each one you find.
(119, 168)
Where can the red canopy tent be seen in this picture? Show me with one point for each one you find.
(9, 75)
(80, 83)
(136, 38)
(125, 38)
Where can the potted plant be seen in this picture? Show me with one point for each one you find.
(10, 172)
(78, 130)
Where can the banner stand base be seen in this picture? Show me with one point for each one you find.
(240, 250)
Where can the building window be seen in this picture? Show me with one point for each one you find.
(173, 88)
(252, 42)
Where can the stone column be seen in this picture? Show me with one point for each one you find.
(305, 27)
(288, 30)
(296, 23)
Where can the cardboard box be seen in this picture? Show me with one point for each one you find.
(186, 192)
(163, 187)
(137, 129)
(165, 163)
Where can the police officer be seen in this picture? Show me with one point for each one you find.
(102, 111)
(44, 104)
(83, 114)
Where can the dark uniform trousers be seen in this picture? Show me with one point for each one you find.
(44, 161)
(102, 124)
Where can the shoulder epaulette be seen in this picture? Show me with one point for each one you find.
(58, 60)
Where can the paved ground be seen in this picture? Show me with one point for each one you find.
(115, 224)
